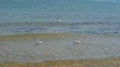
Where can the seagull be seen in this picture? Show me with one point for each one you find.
(77, 41)
(38, 42)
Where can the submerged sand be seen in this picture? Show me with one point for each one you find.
(21, 48)
(114, 62)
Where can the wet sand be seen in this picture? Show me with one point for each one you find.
(114, 62)
(93, 50)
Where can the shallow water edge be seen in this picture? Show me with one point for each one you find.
(21, 48)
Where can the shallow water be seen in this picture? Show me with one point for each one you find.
(59, 48)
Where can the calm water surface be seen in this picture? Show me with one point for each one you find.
(85, 16)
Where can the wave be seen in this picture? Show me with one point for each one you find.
(106, 0)
(60, 27)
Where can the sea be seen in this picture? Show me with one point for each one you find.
(59, 16)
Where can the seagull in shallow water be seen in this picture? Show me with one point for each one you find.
(38, 42)
(77, 41)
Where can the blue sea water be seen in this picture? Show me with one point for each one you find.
(86, 16)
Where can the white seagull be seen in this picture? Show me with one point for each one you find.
(38, 42)
(77, 41)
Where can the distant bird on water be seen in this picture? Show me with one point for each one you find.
(38, 42)
(77, 41)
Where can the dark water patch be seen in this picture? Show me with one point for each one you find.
(76, 27)
(28, 29)
(53, 27)
(93, 23)
(95, 31)
(30, 23)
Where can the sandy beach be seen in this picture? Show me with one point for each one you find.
(114, 62)
(95, 50)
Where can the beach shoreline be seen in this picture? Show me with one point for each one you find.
(112, 62)
(59, 33)
(58, 49)
(21, 48)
